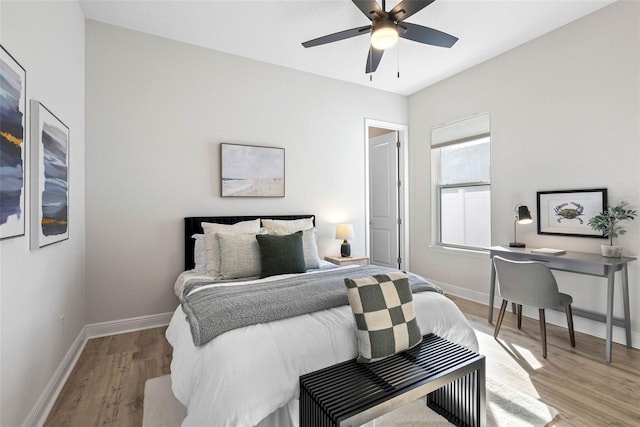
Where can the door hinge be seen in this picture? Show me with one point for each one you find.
(397, 144)
(399, 261)
(399, 183)
(399, 221)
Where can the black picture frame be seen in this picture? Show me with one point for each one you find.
(567, 212)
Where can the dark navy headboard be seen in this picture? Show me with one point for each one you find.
(192, 226)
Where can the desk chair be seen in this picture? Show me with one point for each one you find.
(530, 283)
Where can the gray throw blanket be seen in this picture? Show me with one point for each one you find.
(216, 310)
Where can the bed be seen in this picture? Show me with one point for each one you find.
(247, 375)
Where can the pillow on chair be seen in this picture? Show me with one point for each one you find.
(385, 318)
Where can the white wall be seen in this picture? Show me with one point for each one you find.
(39, 286)
(157, 111)
(564, 115)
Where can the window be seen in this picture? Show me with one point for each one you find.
(461, 154)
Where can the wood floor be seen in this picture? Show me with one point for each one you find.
(106, 387)
(585, 389)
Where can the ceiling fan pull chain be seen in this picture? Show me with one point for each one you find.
(398, 56)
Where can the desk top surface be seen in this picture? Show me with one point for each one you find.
(587, 257)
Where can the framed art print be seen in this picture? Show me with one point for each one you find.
(251, 171)
(13, 132)
(567, 212)
(49, 177)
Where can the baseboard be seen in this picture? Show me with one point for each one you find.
(115, 327)
(38, 414)
(465, 293)
(587, 326)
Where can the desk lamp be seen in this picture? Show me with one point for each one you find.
(522, 216)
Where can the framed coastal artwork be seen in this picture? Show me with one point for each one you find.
(13, 148)
(49, 177)
(567, 212)
(251, 171)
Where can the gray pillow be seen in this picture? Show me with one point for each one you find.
(239, 256)
(310, 248)
(383, 308)
(281, 254)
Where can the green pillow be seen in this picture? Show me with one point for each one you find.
(281, 254)
(383, 308)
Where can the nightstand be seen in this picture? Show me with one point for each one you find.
(352, 260)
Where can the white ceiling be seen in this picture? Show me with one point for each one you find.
(273, 30)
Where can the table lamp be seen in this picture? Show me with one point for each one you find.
(522, 216)
(344, 232)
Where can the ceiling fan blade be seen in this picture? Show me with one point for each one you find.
(407, 8)
(341, 35)
(425, 35)
(373, 59)
(369, 7)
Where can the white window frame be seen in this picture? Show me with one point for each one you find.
(458, 132)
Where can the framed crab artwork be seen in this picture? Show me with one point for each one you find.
(567, 212)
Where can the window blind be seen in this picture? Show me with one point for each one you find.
(461, 131)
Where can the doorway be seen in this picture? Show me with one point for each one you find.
(387, 194)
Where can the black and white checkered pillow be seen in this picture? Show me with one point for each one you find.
(383, 309)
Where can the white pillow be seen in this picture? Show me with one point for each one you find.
(212, 247)
(251, 226)
(199, 254)
(287, 225)
(239, 256)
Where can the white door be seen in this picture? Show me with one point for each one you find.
(384, 202)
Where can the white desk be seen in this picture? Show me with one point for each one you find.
(582, 263)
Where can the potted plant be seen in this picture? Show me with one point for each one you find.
(608, 222)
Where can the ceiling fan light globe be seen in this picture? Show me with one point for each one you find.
(384, 37)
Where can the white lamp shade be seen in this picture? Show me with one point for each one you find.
(384, 36)
(344, 231)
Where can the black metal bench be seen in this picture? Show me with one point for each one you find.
(351, 394)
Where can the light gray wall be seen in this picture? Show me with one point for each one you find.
(157, 111)
(39, 286)
(564, 112)
(564, 115)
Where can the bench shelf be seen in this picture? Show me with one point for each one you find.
(351, 394)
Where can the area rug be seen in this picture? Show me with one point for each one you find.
(505, 407)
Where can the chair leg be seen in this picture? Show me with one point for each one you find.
(519, 316)
(570, 324)
(543, 332)
(503, 308)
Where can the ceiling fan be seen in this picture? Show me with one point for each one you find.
(386, 27)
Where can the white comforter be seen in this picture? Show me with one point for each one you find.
(244, 375)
